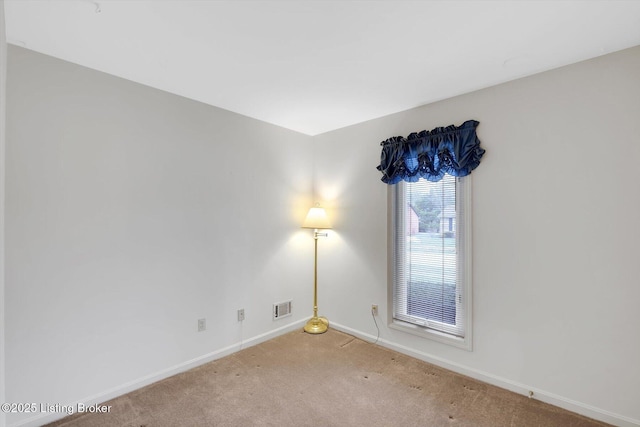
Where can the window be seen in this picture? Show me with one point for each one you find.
(431, 287)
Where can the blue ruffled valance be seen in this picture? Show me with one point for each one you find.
(431, 154)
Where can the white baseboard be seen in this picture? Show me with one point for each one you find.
(106, 395)
(541, 395)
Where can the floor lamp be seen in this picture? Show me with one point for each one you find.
(316, 219)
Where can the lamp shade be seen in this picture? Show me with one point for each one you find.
(316, 218)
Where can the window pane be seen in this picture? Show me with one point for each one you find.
(428, 290)
(431, 250)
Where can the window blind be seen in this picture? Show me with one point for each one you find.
(429, 265)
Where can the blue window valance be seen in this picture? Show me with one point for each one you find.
(431, 154)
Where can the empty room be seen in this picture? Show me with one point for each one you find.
(319, 213)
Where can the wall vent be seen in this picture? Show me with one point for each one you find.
(281, 309)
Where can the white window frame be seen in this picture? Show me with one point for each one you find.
(396, 195)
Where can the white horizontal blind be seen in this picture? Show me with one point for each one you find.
(429, 260)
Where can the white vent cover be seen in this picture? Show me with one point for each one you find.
(281, 309)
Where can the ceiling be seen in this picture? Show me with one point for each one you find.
(315, 66)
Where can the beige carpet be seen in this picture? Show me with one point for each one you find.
(331, 379)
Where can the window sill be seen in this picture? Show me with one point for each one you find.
(423, 332)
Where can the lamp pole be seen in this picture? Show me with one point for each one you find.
(316, 325)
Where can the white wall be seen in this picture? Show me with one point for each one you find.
(555, 213)
(3, 75)
(130, 214)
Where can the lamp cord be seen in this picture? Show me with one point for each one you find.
(376, 323)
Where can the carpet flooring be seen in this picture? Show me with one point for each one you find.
(331, 379)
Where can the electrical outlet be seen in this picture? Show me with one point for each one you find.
(202, 325)
(241, 315)
(374, 309)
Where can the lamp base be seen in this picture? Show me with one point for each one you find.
(316, 325)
